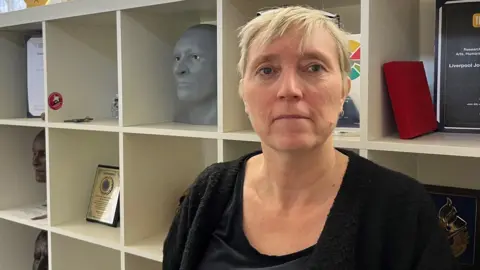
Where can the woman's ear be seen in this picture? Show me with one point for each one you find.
(347, 84)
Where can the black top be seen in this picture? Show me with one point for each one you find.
(230, 249)
(380, 220)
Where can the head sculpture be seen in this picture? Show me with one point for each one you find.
(39, 159)
(195, 71)
(294, 70)
(40, 261)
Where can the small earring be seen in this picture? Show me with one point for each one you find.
(342, 113)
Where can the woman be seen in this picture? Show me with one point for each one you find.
(300, 203)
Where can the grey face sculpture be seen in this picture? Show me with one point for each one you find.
(40, 261)
(195, 70)
(39, 159)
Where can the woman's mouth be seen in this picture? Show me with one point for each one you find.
(290, 116)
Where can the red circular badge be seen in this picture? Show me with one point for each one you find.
(55, 101)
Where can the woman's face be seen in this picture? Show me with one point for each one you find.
(294, 96)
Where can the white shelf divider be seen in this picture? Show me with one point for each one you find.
(175, 129)
(108, 125)
(23, 122)
(93, 233)
(451, 144)
(19, 216)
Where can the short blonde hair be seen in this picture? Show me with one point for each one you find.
(274, 23)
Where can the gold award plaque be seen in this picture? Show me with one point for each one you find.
(104, 200)
(35, 3)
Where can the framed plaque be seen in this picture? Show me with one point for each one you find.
(458, 212)
(104, 206)
(457, 66)
(35, 3)
(35, 76)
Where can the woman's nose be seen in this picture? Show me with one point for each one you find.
(290, 86)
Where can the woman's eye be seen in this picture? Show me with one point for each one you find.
(177, 58)
(314, 68)
(266, 70)
(196, 57)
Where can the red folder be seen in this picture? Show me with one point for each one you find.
(410, 98)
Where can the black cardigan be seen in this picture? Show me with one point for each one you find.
(380, 220)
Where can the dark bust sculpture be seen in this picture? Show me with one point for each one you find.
(195, 71)
(40, 261)
(39, 159)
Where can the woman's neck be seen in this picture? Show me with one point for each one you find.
(290, 180)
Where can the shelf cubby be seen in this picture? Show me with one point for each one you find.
(18, 241)
(13, 74)
(147, 40)
(18, 187)
(133, 262)
(441, 170)
(74, 157)
(81, 255)
(81, 66)
(235, 149)
(413, 40)
(152, 189)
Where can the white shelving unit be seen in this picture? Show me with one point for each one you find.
(95, 49)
